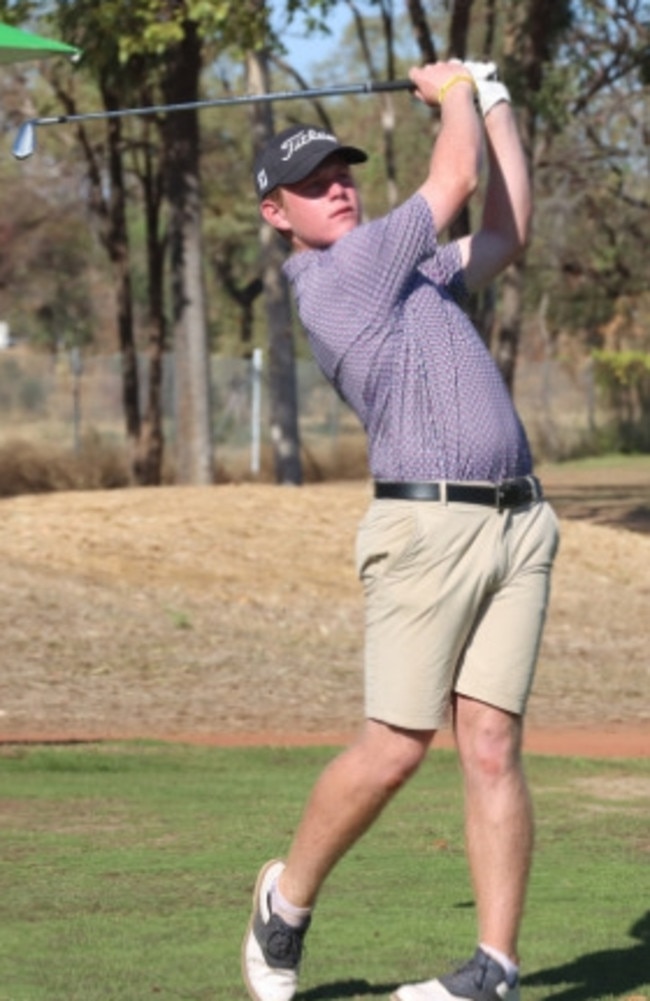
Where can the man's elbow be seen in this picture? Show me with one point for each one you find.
(525, 226)
(507, 247)
(513, 249)
(517, 236)
(521, 236)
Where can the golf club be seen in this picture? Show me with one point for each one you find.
(25, 142)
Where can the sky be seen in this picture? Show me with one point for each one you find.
(303, 52)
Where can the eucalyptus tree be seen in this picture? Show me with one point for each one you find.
(593, 182)
(118, 81)
(167, 46)
(285, 434)
(139, 53)
(283, 390)
(578, 71)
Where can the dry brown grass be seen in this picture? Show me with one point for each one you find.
(235, 608)
(28, 467)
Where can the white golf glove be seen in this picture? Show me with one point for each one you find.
(481, 71)
(490, 90)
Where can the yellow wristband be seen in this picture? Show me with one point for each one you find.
(452, 81)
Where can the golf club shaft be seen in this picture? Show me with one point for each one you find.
(369, 87)
(23, 146)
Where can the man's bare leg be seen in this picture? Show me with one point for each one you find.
(499, 819)
(349, 795)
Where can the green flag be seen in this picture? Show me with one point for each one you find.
(17, 46)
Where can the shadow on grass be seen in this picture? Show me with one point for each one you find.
(625, 507)
(618, 972)
(346, 989)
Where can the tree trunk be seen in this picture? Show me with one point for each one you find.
(459, 28)
(386, 102)
(149, 459)
(283, 390)
(194, 459)
(116, 240)
(107, 199)
(423, 36)
(283, 393)
(505, 346)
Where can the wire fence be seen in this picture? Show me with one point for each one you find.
(59, 399)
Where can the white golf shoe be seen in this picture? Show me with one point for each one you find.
(272, 949)
(481, 979)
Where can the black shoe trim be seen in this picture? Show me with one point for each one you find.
(281, 944)
(476, 979)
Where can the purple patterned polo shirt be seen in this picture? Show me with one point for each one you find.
(380, 308)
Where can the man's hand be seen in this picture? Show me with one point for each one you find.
(433, 81)
(456, 157)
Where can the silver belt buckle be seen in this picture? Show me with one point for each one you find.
(505, 491)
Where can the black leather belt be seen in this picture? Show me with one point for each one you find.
(506, 494)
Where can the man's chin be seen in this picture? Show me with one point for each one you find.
(345, 223)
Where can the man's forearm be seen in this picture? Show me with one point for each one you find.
(454, 166)
(508, 199)
(456, 155)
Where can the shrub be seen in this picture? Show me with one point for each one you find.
(30, 468)
(624, 377)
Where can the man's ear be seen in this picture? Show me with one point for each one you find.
(273, 213)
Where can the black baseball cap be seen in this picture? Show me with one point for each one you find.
(292, 154)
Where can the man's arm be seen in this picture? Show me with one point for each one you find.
(507, 209)
(456, 157)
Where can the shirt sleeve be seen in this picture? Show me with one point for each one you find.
(446, 269)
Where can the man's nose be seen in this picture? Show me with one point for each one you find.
(336, 188)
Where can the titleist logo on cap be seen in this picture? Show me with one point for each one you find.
(301, 139)
(294, 153)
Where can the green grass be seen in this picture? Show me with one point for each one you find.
(127, 870)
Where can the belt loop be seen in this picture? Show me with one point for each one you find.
(536, 487)
(443, 492)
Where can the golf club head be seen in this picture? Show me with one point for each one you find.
(25, 141)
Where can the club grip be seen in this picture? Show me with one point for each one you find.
(382, 85)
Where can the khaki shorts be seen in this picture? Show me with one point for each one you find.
(456, 597)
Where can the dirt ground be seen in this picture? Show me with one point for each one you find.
(232, 614)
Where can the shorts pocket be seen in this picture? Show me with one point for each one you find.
(385, 538)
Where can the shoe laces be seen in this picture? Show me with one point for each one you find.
(284, 942)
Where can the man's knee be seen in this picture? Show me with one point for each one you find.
(489, 740)
(394, 755)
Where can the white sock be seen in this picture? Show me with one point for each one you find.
(292, 915)
(510, 969)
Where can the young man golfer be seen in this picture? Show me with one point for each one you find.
(455, 551)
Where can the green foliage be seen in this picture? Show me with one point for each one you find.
(313, 13)
(625, 369)
(624, 376)
(16, 12)
(239, 23)
(591, 199)
(550, 102)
